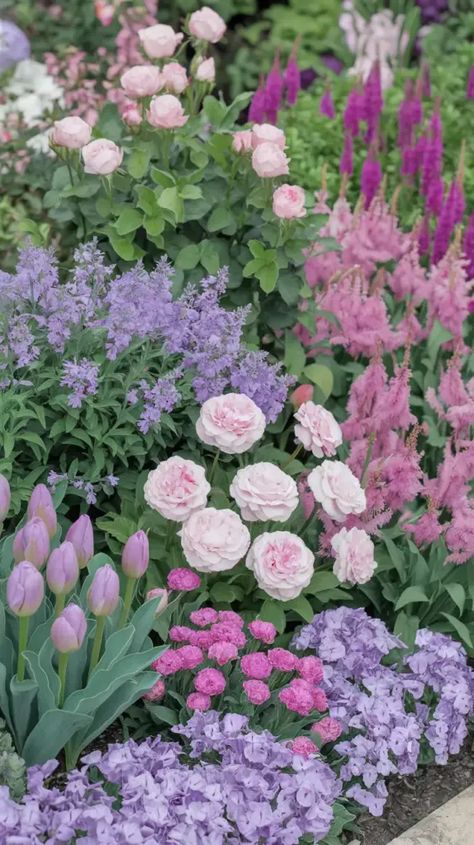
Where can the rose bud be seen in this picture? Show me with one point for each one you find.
(62, 570)
(5, 497)
(136, 555)
(103, 594)
(303, 393)
(25, 589)
(32, 543)
(69, 629)
(101, 157)
(206, 71)
(81, 535)
(71, 132)
(163, 603)
(41, 504)
(206, 25)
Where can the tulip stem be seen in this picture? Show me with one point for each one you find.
(60, 601)
(22, 643)
(127, 602)
(62, 667)
(293, 455)
(99, 633)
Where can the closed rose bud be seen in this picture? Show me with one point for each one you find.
(160, 40)
(166, 112)
(131, 115)
(206, 25)
(32, 543)
(69, 629)
(5, 497)
(101, 157)
(81, 535)
(25, 589)
(103, 594)
(136, 555)
(62, 570)
(41, 504)
(206, 71)
(163, 594)
(173, 77)
(71, 132)
(303, 393)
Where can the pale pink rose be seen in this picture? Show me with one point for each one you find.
(281, 563)
(131, 115)
(242, 141)
(177, 488)
(317, 430)
(101, 157)
(214, 540)
(263, 491)
(288, 202)
(71, 132)
(166, 112)
(336, 488)
(354, 551)
(269, 161)
(263, 133)
(231, 422)
(173, 78)
(206, 70)
(159, 41)
(141, 81)
(207, 25)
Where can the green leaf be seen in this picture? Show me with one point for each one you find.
(138, 162)
(322, 581)
(162, 714)
(461, 629)
(188, 257)
(142, 621)
(46, 678)
(438, 336)
(209, 258)
(220, 218)
(225, 593)
(23, 694)
(103, 683)
(128, 220)
(396, 556)
(271, 611)
(406, 627)
(302, 607)
(295, 355)
(170, 199)
(320, 375)
(50, 735)
(162, 177)
(124, 248)
(458, 595)
(214, 110)
(268, 277)
(411, 595)
(190, 192)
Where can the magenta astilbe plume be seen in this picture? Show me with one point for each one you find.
(326, 106)
(469, 247)
(424, 236)
(292, 79)
(257, 105)
(353, 112)
(470, 85)
(274, 91)
(447, 221)
(346, 164)
(434, 196)
(410, 115)
(370, 178)
(433, 155)
(373, 102)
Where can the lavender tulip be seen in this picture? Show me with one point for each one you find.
(163, 594)
(5, 497)
(25, 589)
(41, 504)
(62, 570)
(81, 535)
(103, 594)
(136, 555)
(69, 629)
(32, 543)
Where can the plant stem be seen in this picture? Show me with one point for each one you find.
(99, 633)
(214, 466)
(62, 667)
(307, 521)
(127, 602)
(293, 455)
(22, 643)
(60, 601)
(368, 456)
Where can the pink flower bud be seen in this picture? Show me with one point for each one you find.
(136, 555)
(131, 115)
(81, 535)
(62, 570)
(157, 691)
(71, 132)
(25, 589)
(5, 497)
(103, 594)
(32, 543)
(206, 71)
(41, 504)
(69, 629)
(303, 393)
(163, 603)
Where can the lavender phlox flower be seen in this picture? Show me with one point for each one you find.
(82, 378)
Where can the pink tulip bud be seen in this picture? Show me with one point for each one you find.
(103, 594)
(81, 535)
(163, 603)
(41, 504)
(25, 589)
(303, 393)
(32, 543)
(5, 497)
(62, 570)
(136, 555)
(69, 629)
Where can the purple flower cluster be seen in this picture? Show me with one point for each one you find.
(233, 785)
(90, 489)
(82, 378)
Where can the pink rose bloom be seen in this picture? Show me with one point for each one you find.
(288, 202)
(210, 681)
(159, 41)
(298, 697)
(180, 634)
(320, 701)
(104, 12)
(256, 691)
(204, 616)
(266, 133)
(207, 25)
(190, 656)
(303, 393)
(206, 71)
(168, 663)
(317, 430)
(203, 639)
(354, 552)
(311, 669)
(198, 701)
(282, 659)
(166, 112)
(281, 563)
(177, 488)
(232, 423)
(337, 489)
(214, 540)
(162, 594)
(269, 161)
(173, 77)
(223, 632)
(304, 746)
(222, 653)
(263, 491)
(329, 729)
(184, 580)
(242, 141)
(131, 115)
(101, 157)
(256, 665)
(157, 691)
(71, 132)
(141, 81)
(264, 631)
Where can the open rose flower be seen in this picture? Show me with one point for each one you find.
(177, 488)
(317, 430)
(71, 132)
(141, 81)
(268, 161)
(166, 112)
(263, 133)
(159, 41)
(101, 157)
(281, 563)
(206, 25)
(288, 202)
(214, 540)
(337, 489)
(263, 491)
(231, 422)
(354, 552)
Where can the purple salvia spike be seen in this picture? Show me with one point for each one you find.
(424, 236)
(434, 197)
(405, 126)
(292, 77)
(274, 91)
(353, 112)
(326, 106)
(373, 102)
(257, 105)
(468, 247)
(370, 178)
(346, 164)
(445, 225)
(470, 84)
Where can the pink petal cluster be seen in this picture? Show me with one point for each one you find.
(210, 682)
(223, 652)
(304, 746)
(184, 580)
(256, 665)
(328, 728)
(264, 631)
(257, 692)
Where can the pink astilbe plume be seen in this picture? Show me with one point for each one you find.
(449, 294)
(433, 153)
(455, 400)
(410, 114)
(460, 534)
(374, 238)
(427, 529)
(408, 279)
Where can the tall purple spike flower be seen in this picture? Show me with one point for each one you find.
(370, 178)
(410, 114)
(433, 156)
(446, 223)
(424, 236)
(257, 105)
(353, 112)
(470, 85)
(346, 164)
(292, 78)
(434, 197)
(326, 106)
(373, 102)
(274, 91)
(468, 247)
